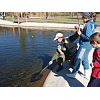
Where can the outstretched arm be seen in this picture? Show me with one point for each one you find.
(72, 38)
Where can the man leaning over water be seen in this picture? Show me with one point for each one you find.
(66, 50)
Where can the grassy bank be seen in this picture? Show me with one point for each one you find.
(58, 19)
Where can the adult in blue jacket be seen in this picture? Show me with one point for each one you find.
(85, 46)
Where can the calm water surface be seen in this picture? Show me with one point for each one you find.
(24, 52)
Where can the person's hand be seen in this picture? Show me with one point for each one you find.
(79, 31)
(50, 62)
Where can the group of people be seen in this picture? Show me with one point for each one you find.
(67, 50)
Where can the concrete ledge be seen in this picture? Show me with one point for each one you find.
(49, 25)
(41, 25)
(59, 79)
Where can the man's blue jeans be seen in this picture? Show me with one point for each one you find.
(82, 57)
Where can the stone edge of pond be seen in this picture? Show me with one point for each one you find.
(45, 74)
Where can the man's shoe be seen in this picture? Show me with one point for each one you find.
(72, 75)
(59, 69)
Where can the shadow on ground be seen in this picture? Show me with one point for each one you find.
(64, 71)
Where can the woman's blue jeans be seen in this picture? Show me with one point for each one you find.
(82, 57)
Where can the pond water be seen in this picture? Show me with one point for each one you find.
(24, 52)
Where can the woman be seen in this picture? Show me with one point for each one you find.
(85, 46)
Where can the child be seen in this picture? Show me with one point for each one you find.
(95, 76)
(65, 48)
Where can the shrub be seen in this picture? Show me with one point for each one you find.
(34, 13)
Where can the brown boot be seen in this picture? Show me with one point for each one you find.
(59, 68)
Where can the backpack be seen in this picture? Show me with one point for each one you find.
(71, 47)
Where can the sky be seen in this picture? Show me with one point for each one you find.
(49, 5)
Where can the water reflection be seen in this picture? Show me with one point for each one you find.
(25, 52)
